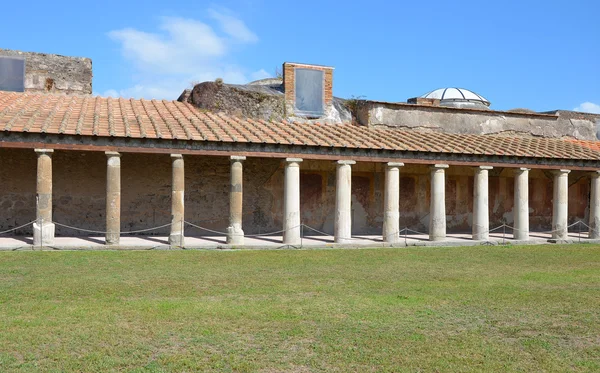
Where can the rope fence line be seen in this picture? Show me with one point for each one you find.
(403, 232)
(105, 232)
(19, 227)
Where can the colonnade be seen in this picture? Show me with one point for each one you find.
(43, 228)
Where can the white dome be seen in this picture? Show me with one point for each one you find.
(457, 97)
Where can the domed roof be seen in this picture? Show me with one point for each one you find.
(457, 97)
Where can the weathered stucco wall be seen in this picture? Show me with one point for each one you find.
(464, 121)
(80, 187)
(55, 73)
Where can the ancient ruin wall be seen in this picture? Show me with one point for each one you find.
(55, 73)
(479, 122)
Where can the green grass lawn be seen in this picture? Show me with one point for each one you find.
(529, 308)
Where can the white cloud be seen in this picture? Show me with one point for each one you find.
(233, 26)
(182, 51)
(588, 107)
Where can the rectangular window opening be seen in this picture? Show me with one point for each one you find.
(309, 92)
(12, 74)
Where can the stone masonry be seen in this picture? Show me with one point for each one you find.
(55, 73)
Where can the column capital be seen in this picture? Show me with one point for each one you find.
(346, 161)
(177, 156)
(293, 160)
(439, 166)
(44, 151)
(595, 174)
(522, 169)
(112, 154)
(484, 167)
(237, 158)
(558, 172)
(394, 164)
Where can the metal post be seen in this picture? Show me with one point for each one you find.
(301, 234)
(181, 241)
(405, 234)
(504, 233)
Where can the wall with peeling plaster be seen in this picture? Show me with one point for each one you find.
(557, 124)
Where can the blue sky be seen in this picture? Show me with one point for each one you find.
(540, 55)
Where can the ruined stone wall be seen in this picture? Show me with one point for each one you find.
(80, 187)
(55, 73)
(479, 122)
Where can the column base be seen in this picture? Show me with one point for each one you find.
(560, 236)
(480, 233)
(342, 240)
(176, 239)
(235, 236)
(112, 238)
(291, 239)
(521, 237)
(43, 234)
(437, 238)
(391, 237)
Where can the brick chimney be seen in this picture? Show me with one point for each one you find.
(308, 89)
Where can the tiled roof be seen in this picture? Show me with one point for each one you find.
(153, 119)
(594, 145)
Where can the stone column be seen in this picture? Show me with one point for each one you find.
(291, 202)
(481, 210)
(391, 202)
(521, 205)
(343, 202)
(43, 228)
(560, 205)
(595, 206)
(113, 198)
(176, 237)
(235, 234)
(437, 207)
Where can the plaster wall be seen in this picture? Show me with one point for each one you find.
(462, 121)
(79, 199)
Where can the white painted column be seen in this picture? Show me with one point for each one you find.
(560, 205)
(343, 202)
(235, 234)
(176, 237)
(481, 210)
(391, 202)
(437, 207)
(43, 228)
(521, 204)
(113, 198)
(291, 201)
(595, 205)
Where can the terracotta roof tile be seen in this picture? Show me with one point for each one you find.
(154, 119)
(594, 145)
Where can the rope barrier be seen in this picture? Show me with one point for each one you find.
(19, 227)
(405, 231)
(105, 232)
